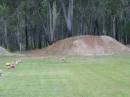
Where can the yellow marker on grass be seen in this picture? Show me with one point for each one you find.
(8, 64)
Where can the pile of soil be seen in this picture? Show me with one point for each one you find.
(82, 45)
(4, 51)
(128, 46)
(88, 45)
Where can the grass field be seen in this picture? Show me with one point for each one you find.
(106, 76)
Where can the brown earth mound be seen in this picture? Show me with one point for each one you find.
(4, 51)
(82, 45)
(128, 46)
(88, 45)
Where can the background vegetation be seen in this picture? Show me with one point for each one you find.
(30, 24)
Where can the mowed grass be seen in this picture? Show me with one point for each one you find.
(101, 76)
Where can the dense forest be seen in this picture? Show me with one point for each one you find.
(31, 24)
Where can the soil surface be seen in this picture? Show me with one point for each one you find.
(4, 51)
(83, 45)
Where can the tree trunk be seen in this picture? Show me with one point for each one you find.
(19, 35)
(5, 34)
(26, 37)
(51, 24)
(68, 16)
(104, 29)
(114, 26)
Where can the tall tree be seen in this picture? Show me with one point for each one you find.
(68, 14)
(4, 16)
(53, 14)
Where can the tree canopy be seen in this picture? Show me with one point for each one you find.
(30, 24)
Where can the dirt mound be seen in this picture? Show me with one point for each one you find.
(87, 45)
(128, 46)
(4, 51)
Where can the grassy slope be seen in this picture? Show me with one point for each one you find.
(75, 77)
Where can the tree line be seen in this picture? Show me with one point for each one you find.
(31, 24)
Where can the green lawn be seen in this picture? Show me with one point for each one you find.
(106, 76)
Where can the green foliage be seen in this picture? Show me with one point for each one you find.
(126, 30)
(126, 27)
(113, 6)
(31, 19)
(3, 9)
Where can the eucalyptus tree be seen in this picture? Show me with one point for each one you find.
(4, 16)
(53, 14)
(30, 24)
(68, 14)
(114, 8)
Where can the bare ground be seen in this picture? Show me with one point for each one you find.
(83, 45)
(4, 52)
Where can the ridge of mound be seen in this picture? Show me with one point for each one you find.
(4, 51)
(87, 45)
